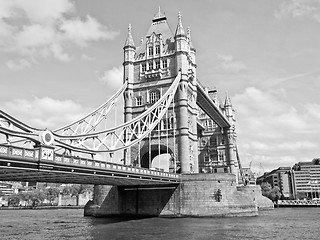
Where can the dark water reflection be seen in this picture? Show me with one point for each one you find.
(288, 223)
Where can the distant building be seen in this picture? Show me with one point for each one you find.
(302, 181)
(305, 178)
(279, 177)
(8, 188)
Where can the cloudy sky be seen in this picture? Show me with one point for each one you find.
(61, 59)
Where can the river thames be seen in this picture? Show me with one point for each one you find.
(283, 223)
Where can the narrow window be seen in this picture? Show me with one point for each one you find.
(143, 67)
(158, 49)
(150, 65)
(139, 101)
(157, 64)
(221, 156)
(150, 50)
(171, 122)
(165, 63)
(154, 96)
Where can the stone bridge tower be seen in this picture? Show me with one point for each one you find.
(150, 69)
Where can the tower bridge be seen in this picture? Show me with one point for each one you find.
(169, 117)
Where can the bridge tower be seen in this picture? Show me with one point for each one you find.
(150, 69)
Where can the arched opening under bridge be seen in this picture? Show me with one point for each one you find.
(158, 157)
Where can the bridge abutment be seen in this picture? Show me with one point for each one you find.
(199, 195)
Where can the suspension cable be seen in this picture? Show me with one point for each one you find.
(159, 133)
(139, 154)
(167, 135)
(150, 149)
(174, 138)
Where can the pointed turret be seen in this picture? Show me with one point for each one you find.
(180, 30)
(190, 40)
(227, 101)
(182, 47)
(129, 40)
(192, 50)
(228, 109)
(129, 48)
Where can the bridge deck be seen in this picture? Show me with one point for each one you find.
(20, 164)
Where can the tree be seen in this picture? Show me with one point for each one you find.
(273, 194)
(51, 193)
(14, 200)
(265, 189)
(76, 189)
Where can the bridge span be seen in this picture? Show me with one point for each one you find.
(43, 165)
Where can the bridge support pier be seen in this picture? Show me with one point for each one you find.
(199, 195)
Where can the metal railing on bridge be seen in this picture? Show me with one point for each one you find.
(47, 155)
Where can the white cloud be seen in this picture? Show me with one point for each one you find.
(299, 8)
(113, 77)
(82, 31)
(58, 53)
(45, 112)
(17, 65)
(230, 64)
(267, 125)
(272, 82)
(45, 28)
(85, 57)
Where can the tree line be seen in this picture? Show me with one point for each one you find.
(36, 197)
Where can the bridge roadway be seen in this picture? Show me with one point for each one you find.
(43, 165)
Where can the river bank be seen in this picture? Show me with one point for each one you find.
(40, 207)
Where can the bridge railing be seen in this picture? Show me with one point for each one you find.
(46, 155)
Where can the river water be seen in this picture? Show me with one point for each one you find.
(281, 223)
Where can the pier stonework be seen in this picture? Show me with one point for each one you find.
(199, 195)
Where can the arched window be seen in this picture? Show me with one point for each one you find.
(154, 96)
(170, 122)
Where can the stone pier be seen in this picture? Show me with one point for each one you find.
(199, 195)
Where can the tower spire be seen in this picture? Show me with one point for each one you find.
(129, 40)
(189, 37)
(159, 16)
(180, 30)
(227, 102)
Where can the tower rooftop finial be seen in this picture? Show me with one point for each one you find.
(159, 16)
(227, 101)
(189, 37)
(180, 30)
(129, 40)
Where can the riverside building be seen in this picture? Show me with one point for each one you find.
(302, 181)
(279, 177)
